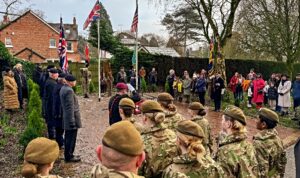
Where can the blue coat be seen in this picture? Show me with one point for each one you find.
(296, 90)
(200, 85)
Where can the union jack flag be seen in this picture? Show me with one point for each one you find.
(134, 25)
(62, 49)
(94, 15)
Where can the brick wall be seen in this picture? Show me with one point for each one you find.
(29, 31)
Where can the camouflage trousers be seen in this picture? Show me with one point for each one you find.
(85, 88)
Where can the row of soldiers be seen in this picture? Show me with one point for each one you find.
(173, 146)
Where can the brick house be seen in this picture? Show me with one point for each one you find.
(31, 38)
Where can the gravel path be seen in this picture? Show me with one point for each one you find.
(95, 121)
(290, 170)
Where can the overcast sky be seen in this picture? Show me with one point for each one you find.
(120, 12)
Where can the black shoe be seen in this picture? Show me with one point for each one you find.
(73, 160)
(294, 119)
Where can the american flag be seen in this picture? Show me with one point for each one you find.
(94, 15)
(134, 25)
(62, 49)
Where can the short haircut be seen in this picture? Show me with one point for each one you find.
(113, 159)
(270, 124)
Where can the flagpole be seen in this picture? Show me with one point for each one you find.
(99, 62)
(136, 55)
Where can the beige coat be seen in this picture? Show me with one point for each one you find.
(10, 94)
(285, 99)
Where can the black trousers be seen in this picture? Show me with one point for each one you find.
(51, 131)
(202, 97)
(217, 103)
(59, 136)
(70, 142)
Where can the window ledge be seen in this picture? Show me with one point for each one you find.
(52, 47)
(70, 51)
(9, 46)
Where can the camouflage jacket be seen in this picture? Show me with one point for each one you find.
(236, 156)
(185, 167)
(137, 125)
(204, 124)
(100, 171)
(172, 118)
(50, 176)
(270, 153)
(160, 148)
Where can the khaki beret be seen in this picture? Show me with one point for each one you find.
(41, 151)
(127, 102)
(268, 114)
(124, 138)
(188, 127)
(165, 97)
(196, 106)
(236, 114)
(150, 106)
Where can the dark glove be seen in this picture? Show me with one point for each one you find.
(260, 91)
(281, 94)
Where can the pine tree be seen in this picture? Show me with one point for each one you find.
(35, 102)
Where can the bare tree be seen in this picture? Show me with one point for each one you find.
(217, 18)
(272, 27)
(11, 6)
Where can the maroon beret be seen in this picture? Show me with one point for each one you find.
(121, 86)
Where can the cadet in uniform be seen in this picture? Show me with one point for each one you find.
(235, 154)
(197, 111)
(160, 142)
(121, 152)
(171, 114)
(126, 109)
(193, 161)
(270, 153)
(86, 80)
(39, 157)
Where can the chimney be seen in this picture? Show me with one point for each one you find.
(5, 19)
(74, 20)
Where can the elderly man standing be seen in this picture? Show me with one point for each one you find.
(21, 82)
(121, 152)
(71, 117)
(48, 100)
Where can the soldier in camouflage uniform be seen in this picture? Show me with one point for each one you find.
(121, 152)
(193, 161)
(86, 80)
(235, 154)
(160, 142)
(197, 112)
(170, 110)
(126, 109)
(270, 153)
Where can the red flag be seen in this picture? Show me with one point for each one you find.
(94, 15)
(134, 25)
(87, 55)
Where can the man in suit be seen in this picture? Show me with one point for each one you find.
(48, 99)
(218, 86)
(71, 117)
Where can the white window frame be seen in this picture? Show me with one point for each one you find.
(50, 43)
(72, 49)
(8, 45)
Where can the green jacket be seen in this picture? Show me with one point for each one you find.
(237, 157)
(100, 171)
(204, 124)
(270, 153)
(185, 167)
(160, 148)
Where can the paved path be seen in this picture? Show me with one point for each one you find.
(290, 170)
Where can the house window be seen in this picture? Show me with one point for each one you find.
(69, 46)
(52, 43)
(8, 42)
